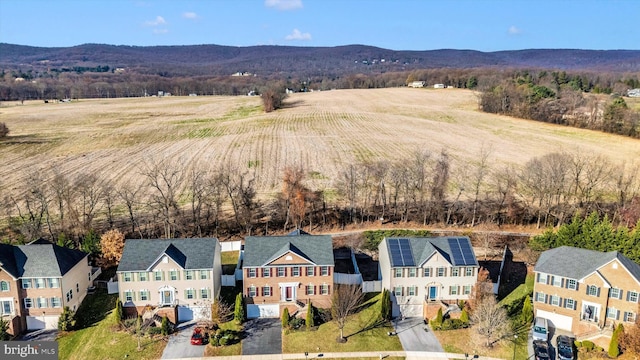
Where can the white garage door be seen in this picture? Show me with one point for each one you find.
(557, 321)
(42, 322)
(262, 311)
(184, 314)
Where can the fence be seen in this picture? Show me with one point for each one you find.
(228, 280)
(230, 246)
(349, 279)
(371, 286)
(112, 287)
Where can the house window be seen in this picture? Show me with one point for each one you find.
(54, 282)
(56, 302)
(252, 272)
(190, 294)
(570, 304)
(324, 289)
(441, 272)
(70, 295)
(311, 271)
(5, 307)
(144, 295)
(41, 302)
(173, 274)
(555, 300)
(204, 293)
(143, 276)
(632, 296)
(295, 271)
(592, 290)
(128, 296)
(412, 272)
(281, 271)
(466, 290)
(615, 293)
(398, 272)
(455, 271)
(158, 275)
(127, 277)
(397, 290)
(453, 290)
(266, 291)
(427, 272)
(629, 316)
(540, 297)
(77, 287)
(612, 313)
(266, 272)
(39, 283)
(412, 290)
(26, 283)
(28, 303)
(252, 291)
(324, 271)
(4, 286)
(469, 271)
(542, 278)
(204, 274)
(311, 289)
(557, 281)
(189, 275)
(572, 284)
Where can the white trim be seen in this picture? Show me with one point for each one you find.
(277, 256)
(606, 283)
(620, 262)
(431, 255)
(3, 269)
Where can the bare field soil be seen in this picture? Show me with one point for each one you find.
(322, 131)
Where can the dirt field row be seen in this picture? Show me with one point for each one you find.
(322, 131)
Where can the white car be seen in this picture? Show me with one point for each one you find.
(540, 329)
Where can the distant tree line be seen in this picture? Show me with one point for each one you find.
(167, 200)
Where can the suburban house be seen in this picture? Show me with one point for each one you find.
(38, 280)
(420, 272)
(417, 84)
(287, 271)
(584, 290)
(179, 278)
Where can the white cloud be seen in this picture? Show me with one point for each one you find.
(297, 35)
(284, 4)
(160, 31)
(158, 21)
(190, 15)
(514, 30)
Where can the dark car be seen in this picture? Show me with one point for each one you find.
(564, 347)
(541, 350)
(199, 337)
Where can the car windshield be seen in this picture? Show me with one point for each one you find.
(564, 350)
(540, 330)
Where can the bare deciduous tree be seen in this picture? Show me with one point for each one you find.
(344, 301)
(128, 193)
(164, 179)
(490, 321)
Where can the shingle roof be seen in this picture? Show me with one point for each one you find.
(423, 248)
(258, 250)
(576, 263)
(39, 259)
(140, 254)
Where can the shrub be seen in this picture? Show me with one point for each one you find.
(296, 323)
(119, 310)
(165, 327)
(464, 318)
(310, 317)
(238, 313)
(614, 346)
(438, 320)
(4, 330)
(588, 345)
(154, 331)
(452, 324)
(527, 311)
(4, 130)
(285, 318)
(67, 320)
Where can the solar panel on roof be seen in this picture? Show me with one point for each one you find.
(400, 251)
(467, 251)
(394, 250)
(456, 252)
(405, 251)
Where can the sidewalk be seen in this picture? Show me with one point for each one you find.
(410, 355)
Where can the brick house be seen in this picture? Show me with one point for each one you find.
(586, 291)
(422, 274)
(179, 278)
(287, 271)
(38, 280)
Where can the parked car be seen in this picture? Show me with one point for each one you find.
(565, 347)
(540, 329)
(541, 350)
(199, 337)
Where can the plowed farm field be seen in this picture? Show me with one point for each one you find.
(322, 131)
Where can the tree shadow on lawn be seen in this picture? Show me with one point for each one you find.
(94, 308)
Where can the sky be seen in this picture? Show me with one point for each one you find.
(484, 25)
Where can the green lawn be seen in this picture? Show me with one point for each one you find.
(363, 332)
(229, 261)
(519, 292)
(101, 338)
(229, 350)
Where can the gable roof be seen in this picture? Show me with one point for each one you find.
(423, 248)
(39, 259)
(195, 253)
(259, 250)
(577, 263)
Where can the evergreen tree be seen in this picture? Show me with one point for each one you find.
(310, 314)
(385, 305)
(238, 313)
(527, 311)
(285, 318)
(464, 317)
(67, 320)
(439, 318)
(4, 330)
(119, 310)
(164, 326)
(614, 347)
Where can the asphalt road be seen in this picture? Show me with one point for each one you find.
(262, 336)
(413, 336)
(179, 345)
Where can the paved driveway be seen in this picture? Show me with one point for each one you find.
(40, 335)
(262, 336)
(179, 345)
(413, 336)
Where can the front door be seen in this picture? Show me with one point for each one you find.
(432, 292)
(166, 297)
(289, 293)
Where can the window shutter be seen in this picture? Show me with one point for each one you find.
(560, 301)
(185, 294)
(577, 285)
(628, 296)
(598, 292)
(617, 314)
(575, 305)
(315, 289)
(328, 289)
(620, 294)
(562, 282)
(546, 299)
